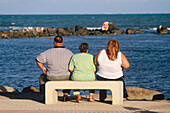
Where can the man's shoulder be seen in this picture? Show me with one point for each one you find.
(67, 50)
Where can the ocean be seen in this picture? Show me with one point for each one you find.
(148, 53)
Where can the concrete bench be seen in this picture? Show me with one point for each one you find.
(116, 87)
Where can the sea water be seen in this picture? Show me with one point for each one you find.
(148, 53)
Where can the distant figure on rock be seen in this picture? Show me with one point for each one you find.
(110, 63)
(57, 60)
(162, 29)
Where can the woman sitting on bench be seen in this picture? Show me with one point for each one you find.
(83, 69)
(110, 63)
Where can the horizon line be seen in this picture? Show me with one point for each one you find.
(82, 13)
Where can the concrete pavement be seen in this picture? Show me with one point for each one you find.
(18, 103)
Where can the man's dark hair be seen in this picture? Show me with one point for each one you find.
(83, 47)
(58, 39)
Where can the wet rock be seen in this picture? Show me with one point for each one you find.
(162, 29)
(111, 26)
(52, 31)
(71, 30)
(49, 38)
(63, 32)
(1, 36)
(130, 31)
(16, 34)
(80, 31)
(7, 89)
(30, 89)
(137, 93)
(38, 29)
(116, 31)
(35, 33)
(95, 32)
(6, 35)
(78, 28)
(141, 32)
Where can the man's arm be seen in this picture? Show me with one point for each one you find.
(41, 66)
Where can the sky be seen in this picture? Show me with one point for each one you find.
(83, 6)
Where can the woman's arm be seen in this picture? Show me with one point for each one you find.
(96, 57)
(125, 63)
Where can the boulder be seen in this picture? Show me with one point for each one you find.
(52, 30)
(1, 36)
(80, 31)
(30, 89)
(5, 89)
(38, 29)
(71, 30)
(130, 31)
(137, 93)
(141, 32)
(6, 35)
(35, 33)
(116, 31)
(111, 26)
(16, 34)
(95, 32)
(78, 28)
(162, 29)
(63, 32)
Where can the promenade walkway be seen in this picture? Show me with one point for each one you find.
(30, 103)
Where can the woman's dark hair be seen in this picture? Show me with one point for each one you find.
(83, 47)
(58, 39)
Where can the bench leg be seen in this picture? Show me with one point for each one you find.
(51, 97)
(117, 95)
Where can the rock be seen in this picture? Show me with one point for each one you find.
(63, 32)
(52, 31)
(6, 35)
(16, 34)
(162, 29)
(7, 89)
(116, 31)
(95, 33)
(30, 89)
(137, 93)
(141, 32)
(80, 31)
(130, 31)
(49, 38)
(71, 30)
(111, 26)
(38, 29)
(1, 36)
(78, 28)
(35, 33)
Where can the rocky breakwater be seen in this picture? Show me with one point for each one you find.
(77, 31)
(44, 32)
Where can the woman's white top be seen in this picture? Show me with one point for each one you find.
(109, 69)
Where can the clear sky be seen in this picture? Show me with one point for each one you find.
(83, 6)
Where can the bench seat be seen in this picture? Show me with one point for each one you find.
(116, 87)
